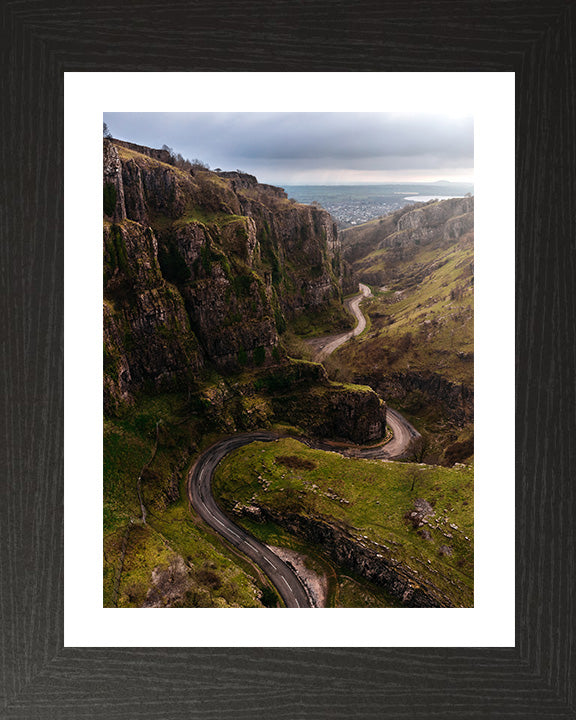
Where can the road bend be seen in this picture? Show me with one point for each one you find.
(283, 577)
(325, 346)
(404, 441)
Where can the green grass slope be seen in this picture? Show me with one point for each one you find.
(370, 498)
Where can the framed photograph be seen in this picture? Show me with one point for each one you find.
(67, 654)
(243, 282)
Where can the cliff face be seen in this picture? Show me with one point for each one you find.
(334, 411)
(457, 399)
(202, 269)
(147, 334)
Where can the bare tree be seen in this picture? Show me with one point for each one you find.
(171, 156)
(200, 164)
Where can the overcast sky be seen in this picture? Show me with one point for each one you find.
(313, 148)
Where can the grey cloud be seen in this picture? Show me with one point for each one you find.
(287, 144)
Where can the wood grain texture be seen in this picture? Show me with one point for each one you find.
(38, 677)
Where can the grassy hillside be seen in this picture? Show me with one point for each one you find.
(370, 498)
(422, 319)
(135, 553)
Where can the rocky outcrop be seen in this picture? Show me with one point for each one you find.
(456, 399)
(169, 586)
(299, 393)
(160, 155)
(244, 181)
(441, 222)
(335, 411)
(364, 239)
(349, 279)
(371, 560)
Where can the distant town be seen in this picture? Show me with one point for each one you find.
(356, 204)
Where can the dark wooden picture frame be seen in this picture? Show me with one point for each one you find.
(39, 678)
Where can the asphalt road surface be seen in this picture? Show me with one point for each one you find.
(200, 492)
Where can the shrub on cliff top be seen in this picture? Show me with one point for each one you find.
(294, 461)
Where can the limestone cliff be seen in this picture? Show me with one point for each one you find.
(203, 270)
(336, 411)
(147, 336)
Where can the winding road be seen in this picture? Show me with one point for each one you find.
(286, 581)
(404, 434)
(326, 345)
